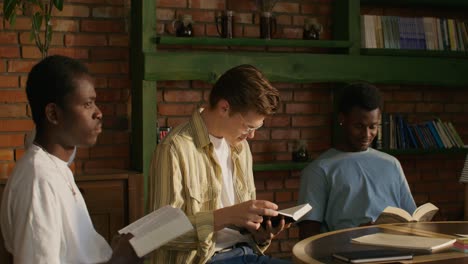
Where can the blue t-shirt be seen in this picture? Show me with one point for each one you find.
(347, 189)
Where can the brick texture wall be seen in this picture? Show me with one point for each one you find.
(93, 31)
(96, 32)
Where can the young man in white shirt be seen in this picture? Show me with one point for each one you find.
(44, 218)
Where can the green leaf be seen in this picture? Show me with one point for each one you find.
(9, 7)
(58, 4)
(37, 21)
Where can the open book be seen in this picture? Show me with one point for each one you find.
(290, 215)
(423, 213)
(156, 229)
(405, 241)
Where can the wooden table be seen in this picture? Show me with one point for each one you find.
(319, 248)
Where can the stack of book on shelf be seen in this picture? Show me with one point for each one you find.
(397, 133)
(421, 33)
(461, 244)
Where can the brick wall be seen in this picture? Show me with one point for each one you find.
(93, 31)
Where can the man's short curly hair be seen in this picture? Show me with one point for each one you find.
(363, 95)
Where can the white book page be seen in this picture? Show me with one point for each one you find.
(296, 212)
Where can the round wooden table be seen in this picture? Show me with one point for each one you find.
(319, 248)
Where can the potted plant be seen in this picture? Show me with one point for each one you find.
(40, 12)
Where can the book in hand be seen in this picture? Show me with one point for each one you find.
(156, 229)
(423, 213)
(366, 256)
(430, 244)
(290, 215)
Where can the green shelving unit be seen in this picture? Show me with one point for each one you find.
(344, 62)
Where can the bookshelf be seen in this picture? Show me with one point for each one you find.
(344, 61)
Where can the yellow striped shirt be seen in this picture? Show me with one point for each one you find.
(185, 174)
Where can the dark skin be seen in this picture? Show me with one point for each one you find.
(78, 123)
(359, 130)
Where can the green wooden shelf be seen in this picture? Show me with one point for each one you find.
(253, 42)
(280, 166)
(419, 3)
(414, 53)
(307, 67)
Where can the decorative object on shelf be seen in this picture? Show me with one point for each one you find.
(162, 132)
(312, 29)
(183, 26)
(267, 25)
(39, 11)
(300, 152)
(225, 24)
(267, 20)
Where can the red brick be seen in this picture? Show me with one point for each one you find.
(6, 168)
(109, 151)
(313, 96)
(105, 95)
(429, 108)
(283, 19)
(207, 4)
(119, 83)
(277, 121)
(11, 140)
(268, 196)
(13, 110)
(97, 2)
(171, 3)
(65, 25)
(119, 40)
(182, 96)
(7, 81)
(71, 11)
(105, 164)
(9, 38)
(407, 96)
(19, 153)
(165, 14)
(108, 67)
(76, 53)
(302, 108)
(20, 65)
(285, 134)
(274, 184)
(72, 40)
(21, 23)
(16, 125)
(292, 33)
(200, 15)
(57, 39)
(6, 154)
(16, 96)
(282, 7)
(271, 147)
(400, 107)
(9, 52)
(31, 52)
(311, 9)
(308, 121)
(283, 197)
(104, 26)
(176, 109)
(108, 53)
(246, 6)
(108, 12)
